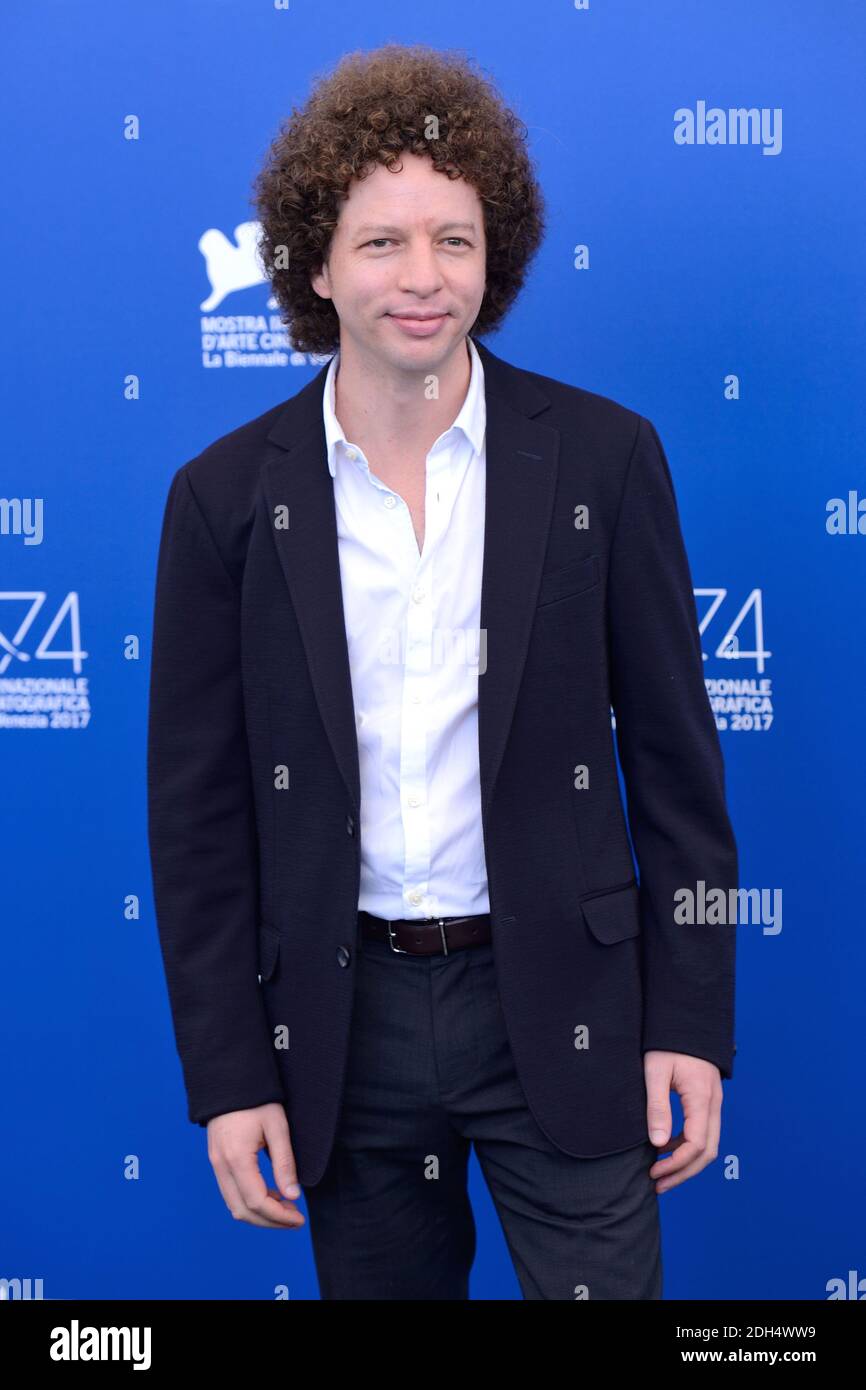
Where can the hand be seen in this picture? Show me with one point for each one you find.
(698, 1084)
(233, 1142)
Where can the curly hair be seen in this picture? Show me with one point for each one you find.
(365, 112)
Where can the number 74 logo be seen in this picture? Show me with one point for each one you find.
(10, 648)
(729, 646)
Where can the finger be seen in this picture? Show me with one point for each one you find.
(666, 1168)
(698, 1146)
(259, 1207)
(232, 1197)
(715, 1129)
(658, 1108)
(672, 1144)
(254, 1218)
(266, 1207)
(237, 1206)
(690, 1144)
(279, 1147)
(286, 1205)
(710, 1153)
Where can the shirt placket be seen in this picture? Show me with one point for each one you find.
(419, 712)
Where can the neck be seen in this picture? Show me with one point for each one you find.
(389, 414)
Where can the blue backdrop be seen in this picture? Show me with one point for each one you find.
(717, 288)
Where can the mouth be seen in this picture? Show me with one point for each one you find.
(421, 325)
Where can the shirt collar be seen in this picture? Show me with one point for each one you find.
(471, 417)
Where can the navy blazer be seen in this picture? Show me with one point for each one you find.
(256, 883)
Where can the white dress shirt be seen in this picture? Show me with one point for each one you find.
(413, 632)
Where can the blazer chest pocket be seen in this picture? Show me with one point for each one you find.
(568, 580)
(269, 950)
(613, 915)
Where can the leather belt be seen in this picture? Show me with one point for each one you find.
(427, 936)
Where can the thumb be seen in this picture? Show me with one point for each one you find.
(658, 1111)
(282, 1157)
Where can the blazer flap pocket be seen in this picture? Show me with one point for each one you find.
(613, 915)
(269, 949)
(569, 579)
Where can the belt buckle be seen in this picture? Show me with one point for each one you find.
(398, 950)
(401, 951)
(441, 921)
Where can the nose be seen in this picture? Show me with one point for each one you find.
(420, 272)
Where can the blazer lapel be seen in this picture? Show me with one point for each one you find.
(522, 459)
(298, 479)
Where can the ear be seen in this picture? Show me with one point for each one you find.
(321, 282)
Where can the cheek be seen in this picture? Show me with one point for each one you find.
(368, 288)
(470, 283)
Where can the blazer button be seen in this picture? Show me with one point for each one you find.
(343, 955)
(350, 824)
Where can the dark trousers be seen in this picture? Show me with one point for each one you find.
(430, 1072)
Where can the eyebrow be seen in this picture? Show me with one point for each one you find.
(367, 227)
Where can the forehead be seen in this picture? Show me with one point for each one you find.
(415, 195)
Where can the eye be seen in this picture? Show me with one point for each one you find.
(383, 240)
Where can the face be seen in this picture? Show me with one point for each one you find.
(406, 267)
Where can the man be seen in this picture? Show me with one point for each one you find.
(397, 901)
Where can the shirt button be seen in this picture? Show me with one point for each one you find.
(418, 594)
(414, 801)
(415, 896)
(390, 501)
(352, 453)
(416, 699)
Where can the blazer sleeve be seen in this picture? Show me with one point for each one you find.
(201, 822)
(672, 766)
